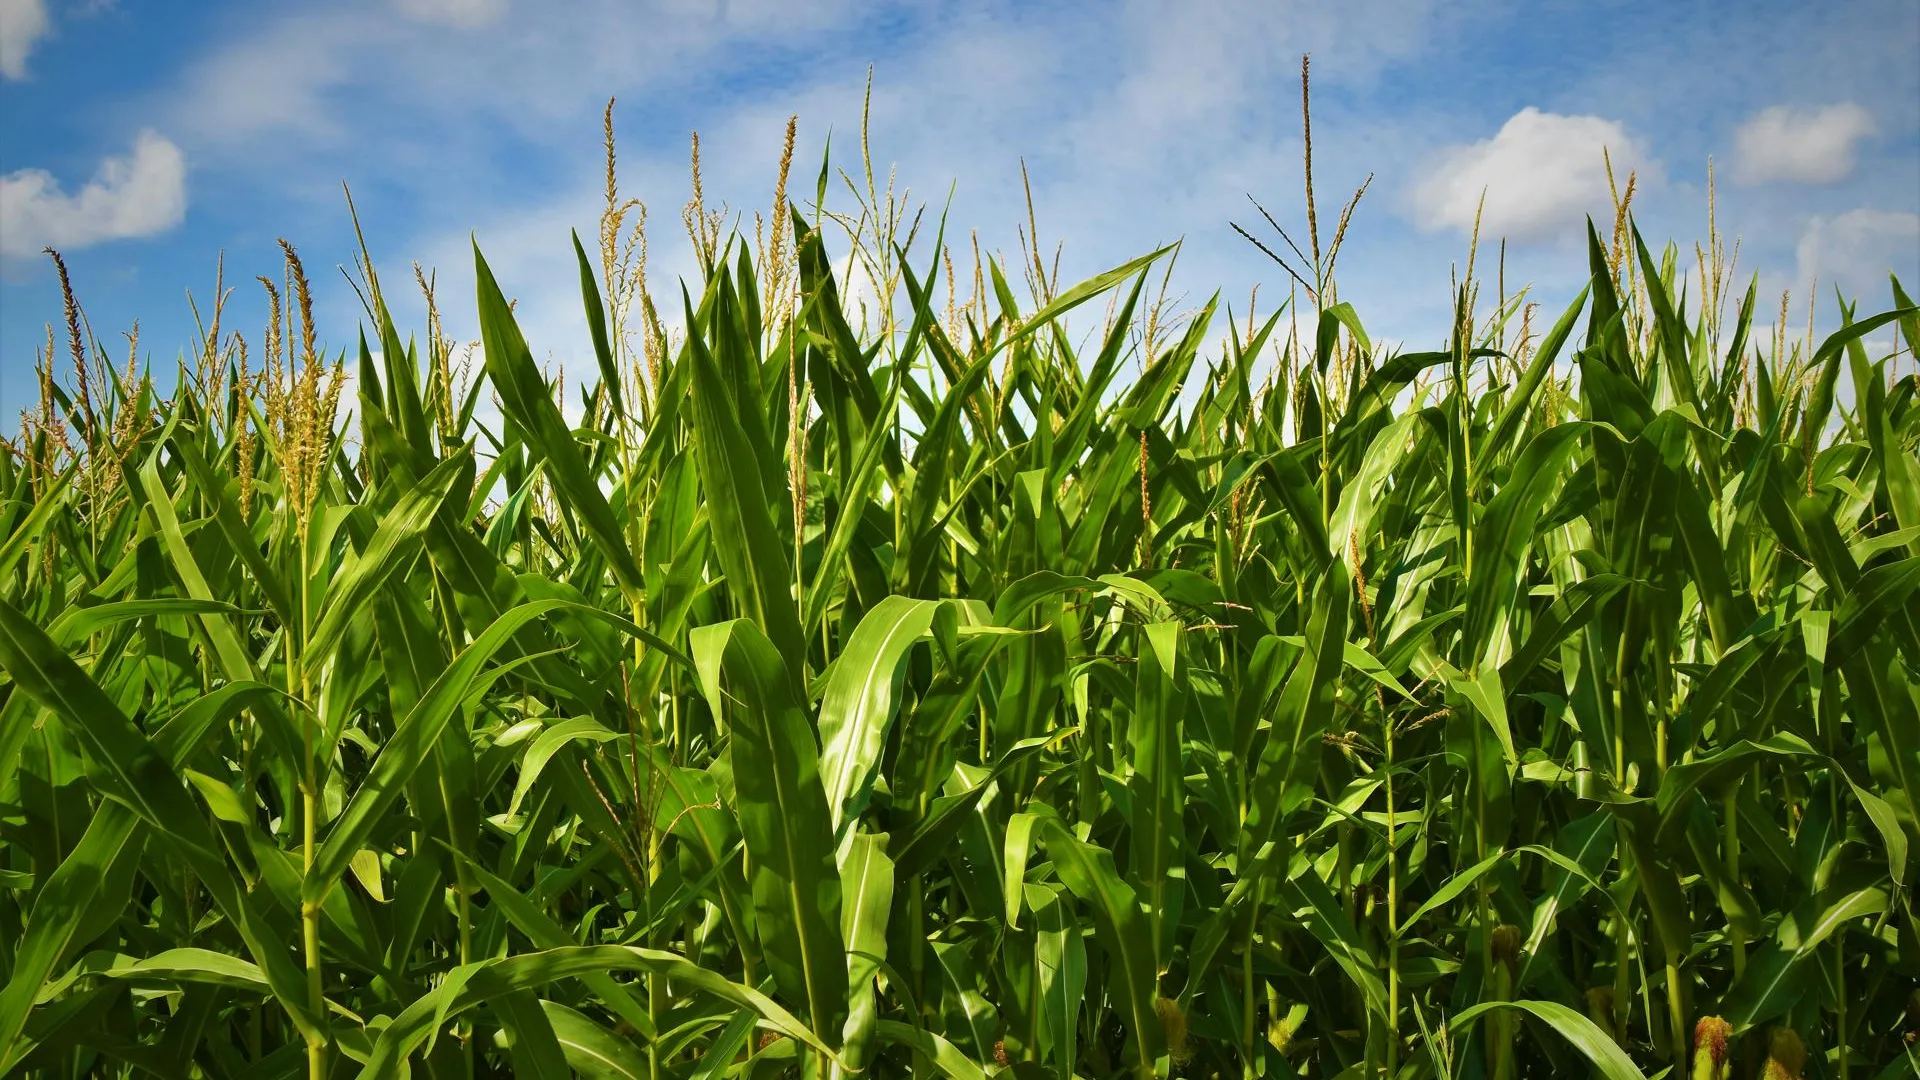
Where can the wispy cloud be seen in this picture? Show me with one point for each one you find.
(274, 80)
(1801, 146)
(355, 73)
(454, 12)
(22, 24)
(1540, 173)
(1137, 135)
(140, 194)
(1140, 122)
(1855, 250)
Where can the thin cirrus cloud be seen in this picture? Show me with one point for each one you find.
(319, 81)
(1138, 124)
(459, 13)
(1801, 146)
(22, 24)
(1856, 249)
(1541, 172)
(143, 193)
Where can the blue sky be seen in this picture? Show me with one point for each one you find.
(145, 139)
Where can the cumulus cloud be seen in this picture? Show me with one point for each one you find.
(462, 13)
(22, 24)
(1541, 172)
(1855, 250)
(140, 194)
(1800, 146)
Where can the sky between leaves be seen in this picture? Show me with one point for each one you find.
(144, 139)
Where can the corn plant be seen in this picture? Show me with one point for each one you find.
(930, 691)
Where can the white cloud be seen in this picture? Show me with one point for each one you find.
(1856, 250)
(965, 101)
(331, 79)
(1541, 172)
(1141, 122)
(279, 79)
(22, 24)
(1801, 146)
(141, 194)
(461, 13)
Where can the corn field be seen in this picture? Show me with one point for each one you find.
(909, 686)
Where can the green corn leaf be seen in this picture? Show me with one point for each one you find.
(1503, 536)
(394, 543)
(1305, 709)
(416, 735)
(942, 1054)
(494, 979)
(1157, 867)
(1775, 977)
(28, 529)
(1285, 701)
(866, 899)
(592, 1050)
(142, 781)
(533, 1048)
(783, 816)
(860, 700)
(1088, 871)
(525, 398)
(752, 555)
(1585, 1036)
